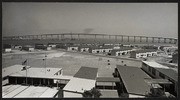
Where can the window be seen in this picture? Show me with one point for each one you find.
(153, 71)
(161, 75)
(149, 68)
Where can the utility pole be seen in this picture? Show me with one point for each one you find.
(45, 62)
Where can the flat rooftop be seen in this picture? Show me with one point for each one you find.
(155, 64)
(109, 94)
(78, 85)
(37, 72)
(19, 91)
(133, 79)
(83, 80)
(87, 73)
(11, 70)
(40, 73)
(121, 49)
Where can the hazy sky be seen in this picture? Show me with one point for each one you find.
(149, 19)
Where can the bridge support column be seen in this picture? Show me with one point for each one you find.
(134, 38)
(175, 41)
(170, 40)
(41, 36)
(152, 39)
(159, 40)
(62, 36)
(109, 36)
(71, 37)
(78, 37)
(146, 39)
(122, 38)
(58, 37)
(140, 39)
(116, 38)
(128, 38)
(46, 37)
(164, 40)
(51, 37)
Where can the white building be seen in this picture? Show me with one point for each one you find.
(119, 52)
(28, 48)
(72, 48)
(17, 47)
(103, 49)
(7, 50)
(143, 53)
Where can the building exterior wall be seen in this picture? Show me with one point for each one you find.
(17, 47)
(7, 50)
(28, 48)
(135, 96)
(116, 47)
(142, 55)
(84, 49)
(31, 49)
(101, 50)
(158, 74)
(133, 55)
(49, 48)
(72, 48)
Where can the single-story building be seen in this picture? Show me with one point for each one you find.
(61, 45)
(43, 47)
(102, 49)
(28, 48)
(159, 71)
(132, 81)
(18, 47)
(150, 47)
(7, 48)
(127, 45)
(72, 48)
(10, 70)
(122, 51)
(84, 79)
(83, 48)
(52, 45)
(143, 53)
(39, 76)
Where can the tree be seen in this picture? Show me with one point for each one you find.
(93, 93)
(155, 92)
